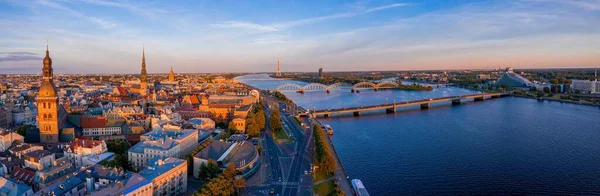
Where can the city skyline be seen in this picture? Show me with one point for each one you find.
(195, 37)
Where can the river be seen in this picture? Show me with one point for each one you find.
(502, 146)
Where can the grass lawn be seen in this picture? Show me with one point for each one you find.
(325, 188)
(280, 135)
(320, 175)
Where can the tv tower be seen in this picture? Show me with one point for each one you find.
(278, 68)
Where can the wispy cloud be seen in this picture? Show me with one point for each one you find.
(282, 26)
(105, 24)
(18, 56)
(245, 25)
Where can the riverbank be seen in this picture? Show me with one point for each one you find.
(557, 100)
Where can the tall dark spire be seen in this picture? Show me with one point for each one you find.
(143, 77)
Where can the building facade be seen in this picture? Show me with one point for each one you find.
(587, 86)
(47, 104)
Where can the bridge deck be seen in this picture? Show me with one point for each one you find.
(404, 104)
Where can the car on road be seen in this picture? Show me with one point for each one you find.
(272, 191)
(305, 172)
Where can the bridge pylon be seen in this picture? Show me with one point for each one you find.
(456, 101)
(480, 98)
(390, 110)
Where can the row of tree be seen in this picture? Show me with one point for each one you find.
(190, 156)
(324, 156)
(220, 185)
(275, 122)
(256, 121)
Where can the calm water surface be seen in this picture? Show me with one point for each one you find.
(501, 146)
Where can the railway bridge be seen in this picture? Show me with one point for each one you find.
(391, 108)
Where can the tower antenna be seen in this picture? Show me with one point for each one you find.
(278, 67)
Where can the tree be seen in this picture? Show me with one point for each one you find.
(190, 162)
(239, 183)
(230, 172)
(22, 130)
(276, 121)
(213, 168)
(203, 171)
(252, 128)
(232, 127)
(219, 186)
(328, 164)
(260, 119)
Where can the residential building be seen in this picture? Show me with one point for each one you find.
(162, 143)
(13, 188)
(79, 150)
(168, 176)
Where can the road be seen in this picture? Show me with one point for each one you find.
(287, 165)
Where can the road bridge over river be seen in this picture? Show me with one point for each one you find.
(391, 108)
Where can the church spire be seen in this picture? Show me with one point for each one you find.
(47, 69)
(171, 75)
(143, 77)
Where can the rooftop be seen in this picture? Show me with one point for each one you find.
(214, 151)
(158, 166)
(37, 154)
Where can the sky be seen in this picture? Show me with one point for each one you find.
(199, 36)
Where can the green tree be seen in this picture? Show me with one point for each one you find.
(276, 121)
(260, 119)
(22, 130)
(203, 171)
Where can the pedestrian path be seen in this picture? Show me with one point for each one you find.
(285, 183)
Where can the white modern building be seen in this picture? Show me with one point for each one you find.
(162, 143)
(586, 86)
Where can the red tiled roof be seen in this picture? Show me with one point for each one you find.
(85, 143)
(194, 100)
(122, 91)
(93, 122)
(22, 174)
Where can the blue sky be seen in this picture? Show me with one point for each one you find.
(103, 36)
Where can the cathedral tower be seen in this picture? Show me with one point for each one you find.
(47, 104)
(171, 75)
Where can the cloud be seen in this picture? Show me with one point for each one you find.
(18, 53)
(245, 25)
(18, 56)
(591, 5)
(467, 36)
(105, 24)
(282, 26)
(137, 9)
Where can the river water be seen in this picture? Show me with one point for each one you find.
(501, 146)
